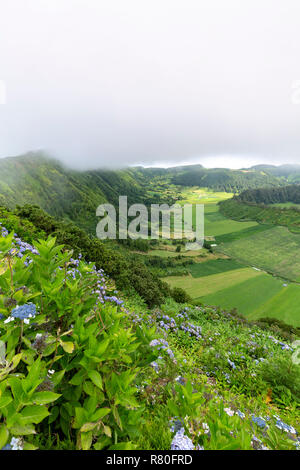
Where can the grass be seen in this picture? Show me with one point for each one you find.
(246, 232)
(246, 296)
(285, 204)
(276, 250)
(217, 224)
(233, 283)
(284, 306)
(213, 267)
(200, 286)
(196, 195)
(162, 253)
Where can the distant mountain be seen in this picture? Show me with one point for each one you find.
(223, 179)
(35, 178)
(289, 171)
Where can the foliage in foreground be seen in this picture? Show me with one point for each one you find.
(80, 371)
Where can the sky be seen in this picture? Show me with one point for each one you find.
(162, 82)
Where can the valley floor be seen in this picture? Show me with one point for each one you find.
(261, 275)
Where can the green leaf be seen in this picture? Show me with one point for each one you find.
(3, 435)
(86, 440)
(96, 378)
(100, 413)
(33, 414)
(67, 346)
(77, 379)
(88, 427)
(122, 446)
(19, 430)
(80, 417)
(42, 398)
(4, 401)
(57, 377)
(28, 446)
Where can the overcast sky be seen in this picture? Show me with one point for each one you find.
(119, 82)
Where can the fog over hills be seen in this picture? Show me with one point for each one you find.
(36, 178)
(122, 83)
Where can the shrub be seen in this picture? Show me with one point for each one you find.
(180, 295)
(69, 358)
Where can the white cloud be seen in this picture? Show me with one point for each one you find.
(116, 82)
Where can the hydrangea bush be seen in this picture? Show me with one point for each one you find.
(80, 370)
(68, 355)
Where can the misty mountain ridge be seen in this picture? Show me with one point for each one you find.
(36, 178)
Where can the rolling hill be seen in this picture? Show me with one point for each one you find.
(74, 195)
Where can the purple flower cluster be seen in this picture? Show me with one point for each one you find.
(19, 248)
(170, 324)
(181, 441)
(162, 344)
(24, 311)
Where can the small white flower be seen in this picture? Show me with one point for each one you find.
(16, 443)
(9, 319)
(205, 427)
(229, 411)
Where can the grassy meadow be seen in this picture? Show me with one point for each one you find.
(262, 261)
(276, 250)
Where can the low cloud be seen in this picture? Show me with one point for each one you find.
(117, 83)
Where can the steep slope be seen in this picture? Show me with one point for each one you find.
(36, 179)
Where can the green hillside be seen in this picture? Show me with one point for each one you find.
(220, 179)
(85, 367)
(263, 214)
(35, 178)
(62, 192)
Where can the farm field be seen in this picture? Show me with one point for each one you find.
(200, 286)
(242, 281)
(285, 306)
(216, 266)
(276, 250)
(163, 253)
(195, 195)
(245, 233)
(241, 295)
(285, 204)
(262, 296)
(217, 224)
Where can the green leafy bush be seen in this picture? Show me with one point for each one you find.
(67, 368)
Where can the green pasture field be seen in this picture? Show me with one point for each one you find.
(246, 296)
(215, 266)
(216, 224)
(276, 250)
(246, 232)
(200, 286)
(195, 195)
(234, 282)
(259, 297)
(162, 253)
(285, 306)
(285, 204)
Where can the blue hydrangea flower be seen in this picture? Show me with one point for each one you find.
(181, 441)
(261, 423)
(24, 311)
